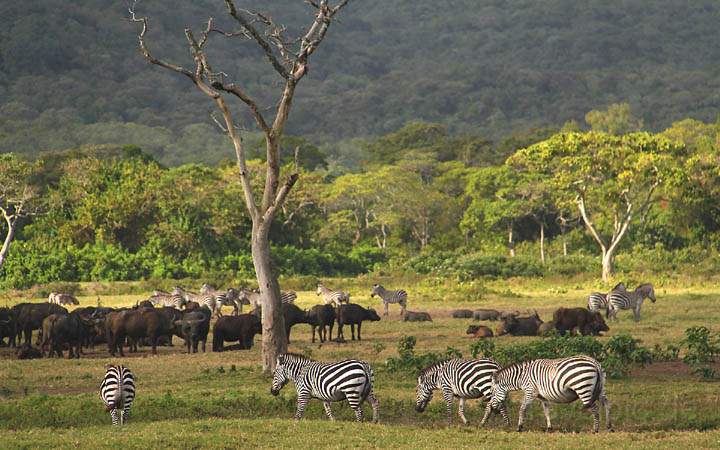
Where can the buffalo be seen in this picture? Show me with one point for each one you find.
(587, 322)
(353, 314)
(462, 314)
(414, 316)
(72, 329)
(135, 325)
(242, 328)
(194, 328)
(321, 317)
(479, 331)
(519, 326)
(30, 316)
(486, 314)
(546, 328)
(292, 315)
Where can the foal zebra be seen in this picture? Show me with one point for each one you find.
(388, 297)
(254, 298)
(552, 380)
(62, 299)
(461, 378)
(622, 299)
(117, 391)
(332, 297)
(174, 299)
(330, 382)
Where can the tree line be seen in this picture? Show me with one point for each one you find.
(600, 189)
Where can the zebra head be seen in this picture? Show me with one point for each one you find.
(648, 291)
(320, 288)
(427, 383)
(376, 290)
(280, 375)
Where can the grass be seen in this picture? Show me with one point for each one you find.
(222, 400)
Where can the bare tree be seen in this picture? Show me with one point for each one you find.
(16, 197)
(289, 58)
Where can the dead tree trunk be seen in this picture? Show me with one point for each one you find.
(289, 58)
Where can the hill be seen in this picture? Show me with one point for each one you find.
(71, 73)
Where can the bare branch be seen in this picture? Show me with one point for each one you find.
(254, 109)
(279, 68)
(281, 196)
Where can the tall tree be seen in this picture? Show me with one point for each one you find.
(617, 119)
(16, 197)
(612, 180)
(289, 58)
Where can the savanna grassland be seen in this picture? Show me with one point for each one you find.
(222, 400)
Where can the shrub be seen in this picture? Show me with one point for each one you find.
(475, 265)
(701, 348)
(408, 361)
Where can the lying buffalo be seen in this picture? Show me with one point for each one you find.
(353, 314)
(479, 331)
(547, 328)
(486, 314)
(587, 322)
(519, 326)
(135, 325)
(242, 328)
(416, 316)
(194, 328)
(462, 314)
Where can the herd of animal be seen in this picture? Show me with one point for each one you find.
(587, 321)
(549, 380)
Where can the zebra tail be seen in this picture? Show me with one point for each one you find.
(371, 378)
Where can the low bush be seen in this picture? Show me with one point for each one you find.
(410, 362)
(475, 265)
(701, 348)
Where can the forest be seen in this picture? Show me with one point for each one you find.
(421, 199)
(486, 69)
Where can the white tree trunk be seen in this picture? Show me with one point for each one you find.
(6, 244)
(542, 242)
(608, 264)
(511, 244)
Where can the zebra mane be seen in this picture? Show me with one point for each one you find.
(433, 367)
(644, 286)
(298, 357)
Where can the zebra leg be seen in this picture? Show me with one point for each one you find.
(114, 416)
(595, 409)
(636, 312)
(375, 405)
(546, 411)
(461, 411)
(606, 404)
(529, 397)
(448, 397)
(302, 400)
(328, 411)
(386, 308)
(504, 414)
(486, 416)
(125, 414)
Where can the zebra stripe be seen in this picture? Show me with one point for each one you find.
(388, 297)
(351, 379)
(254, 298)
(332, 297)
(462, 378)
(117, 391)
(597, 301)
(62, 299)
(553, 380)
(622, 299)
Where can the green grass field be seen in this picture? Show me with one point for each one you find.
(222, 400)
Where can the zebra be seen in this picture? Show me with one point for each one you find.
(62, 299)
(561, 380)
(622, 299)
(174, 299)
(117, 391)
(388, 297)
(254, 298)
(351, 379)
(332, 297)
(598, 300)
(463, 378)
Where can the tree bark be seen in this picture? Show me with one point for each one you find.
(6, 244)
(542, 242)
(608, 264)
(511, 243)
(274, 340)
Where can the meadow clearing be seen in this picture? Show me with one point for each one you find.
(222, 400)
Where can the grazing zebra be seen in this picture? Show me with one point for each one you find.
(332, 297)
(463, 378)
(118, 392)
(622, 299)
(598, 300)
(388, 297)
(552, 380)
(172, 299)
(330, 382)
(62, 299)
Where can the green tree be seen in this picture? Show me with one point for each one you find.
(612, 180)
(617, 119)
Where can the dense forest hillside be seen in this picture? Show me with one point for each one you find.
(71, 73)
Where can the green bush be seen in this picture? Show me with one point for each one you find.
(410, 362)
(701, 348)
(475, 265)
